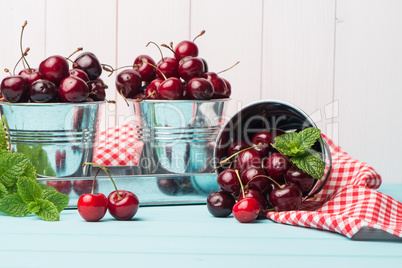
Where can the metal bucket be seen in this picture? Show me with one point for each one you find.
(179, 136)
(57, 137)
(273, 115)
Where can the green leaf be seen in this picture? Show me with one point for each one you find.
(58, 199)
(4, 152)
(11, 168)
(34, 207)
(29, 190)
(311, 163)
(48, 211)
(30, 171)
(46, 187)
(14, 205)
(306, 138)
(3, 191)
(289, 136)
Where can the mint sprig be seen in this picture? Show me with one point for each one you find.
(297, 146)
(20, 194)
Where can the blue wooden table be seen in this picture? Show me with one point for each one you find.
(184, 236)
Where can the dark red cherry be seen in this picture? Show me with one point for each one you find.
(185, 49)
(248, 158)
(276, 165)
(255, 178)
(171, 89)
(199, 88)
(299, 177)
(220, 203)
(128, 83)
(144, 64)
(220, 90)
(97, 90)
(54, 68)
(31, 74)
(228, 181)
(73, 89)
(289, 197)
(80, 73)
(15, 88)
(190, 67)
(258, 196)
(205, 65)
(263, 139)
(228, 88)
(169, 67)
(236, 146)
(89, 63)
(43, 91)
(151, 92)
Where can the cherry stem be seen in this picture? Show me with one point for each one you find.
(221, 165)
(150, 64)
(229, 68)
(160, 50)
(110, 69)
(241, 184)
(202, 32)
(268, 177)
(7, 71)
(77, 50)
(107, 172)
(22, 53)
(171, 49)
(237, 153)
(93, 182)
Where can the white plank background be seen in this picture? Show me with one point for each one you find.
(339, 60)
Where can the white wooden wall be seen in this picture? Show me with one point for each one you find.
(339, 60)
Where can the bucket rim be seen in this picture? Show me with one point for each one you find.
(52, 104)
(180, 101)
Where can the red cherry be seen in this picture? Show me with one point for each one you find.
(15, 88)
(264, 138)
(289, 197)
(168, 67)
(246, 210)
(92, 207)
(184, 49)
(31, 74)
(73, 89)
(147, 71)
(80, 73)
(257, 195)
(171, 89)
(220, 90)
(248, 158)
(276, 165)
(54, 68)
(97, 90)
(43, 91)
(227, 180)
(190, 67)
(302, 179)
(220, 203)
(228, 88)
(128, 83)
(151, 92)
(61, 186)
(89, 63)
(199, 88)
(125, 208)
(254, 178)
(237, 146)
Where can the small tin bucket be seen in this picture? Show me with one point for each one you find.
(179, 136)
(273, 115)
(57, 137)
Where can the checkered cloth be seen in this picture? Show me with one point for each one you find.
(348, 201)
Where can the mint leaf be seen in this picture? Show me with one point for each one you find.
(4, 152)
(58, 199)
(11, 168)
(311, 163)
(14, 205)
(48, 211)
(3, 191)
(29, 190)
(306, 138)
(34, 207)
(286, 144)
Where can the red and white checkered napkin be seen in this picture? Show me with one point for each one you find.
(118, 146)
(347, 202)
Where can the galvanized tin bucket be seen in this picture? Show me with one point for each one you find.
(179, 136)
(273, 115)
(57, 137)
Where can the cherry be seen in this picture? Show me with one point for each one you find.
(288, 197)
(151, 92)
(14, 88)
(276, 165)
(237, 146)
(255, 178)
(257, 195)
(264, 138)
(147, 71)
(227, 180)
(89, 63)
(61, 186)
(220, 203)
(185, 49)
(205, 65)
(248, 158)
(73, 89)
(81, 187)
(246, 210)
(302, 179)
(220, 89)
(190, 67)
(54, 68)
(128, 83)
(171, 89)
(92, 207)
(97, 90)
(80, 73)
(123, 207)
(199, 88)
(43, 91)
(168, 67)
(228, 88)
(31, 74)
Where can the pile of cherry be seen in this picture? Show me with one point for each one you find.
(183, 76)
(257, 179)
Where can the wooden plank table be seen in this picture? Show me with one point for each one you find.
(185, 236)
